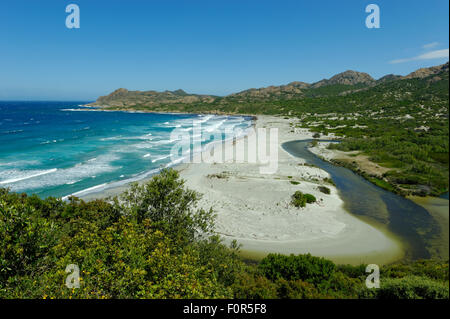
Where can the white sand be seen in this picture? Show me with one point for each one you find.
(254, 208)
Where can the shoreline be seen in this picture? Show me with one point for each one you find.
(106, 108)
(254, 208)
(116, 187)
(266, 224)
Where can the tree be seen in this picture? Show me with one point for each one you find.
(169, 205)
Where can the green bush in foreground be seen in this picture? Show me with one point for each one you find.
(150, 243)
(153, 242)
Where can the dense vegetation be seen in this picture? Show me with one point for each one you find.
(153, 242)
(401, 124)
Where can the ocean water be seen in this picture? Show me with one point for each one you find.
(61, 148)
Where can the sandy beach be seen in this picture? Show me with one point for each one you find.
(255, 210)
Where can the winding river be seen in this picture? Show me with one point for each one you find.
(421, 233)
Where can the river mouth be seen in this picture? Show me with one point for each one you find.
(411, 223)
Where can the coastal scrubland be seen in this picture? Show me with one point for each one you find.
(152, 241)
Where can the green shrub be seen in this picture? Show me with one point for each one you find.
(433, 269)
(342, 286)
(25, 238)
(324, 189)
(168, 204)
(310, 198)
(351, 271)
(300, 200)
(409, 287)
(254, 286)
(301, 267)
(296, 289)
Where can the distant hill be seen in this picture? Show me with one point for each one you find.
(389, 78)
(425, 72)
(346, 78)
(291, 90)
(124, 98)
(344, 83)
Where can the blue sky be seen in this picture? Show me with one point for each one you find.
(212, 47)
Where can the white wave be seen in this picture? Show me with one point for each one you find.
(175, 125)
(214, 126)
(105, 186)
(160, 158)
(124, 138)
(165, 141)
(86, 191)
(23, 163)
(72, 182)
(52, 141)
(62, 176)
(144, 145)
(24, 177)
(205, 118)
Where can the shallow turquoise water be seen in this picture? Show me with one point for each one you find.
(60, 148)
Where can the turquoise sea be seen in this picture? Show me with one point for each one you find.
(61, 148)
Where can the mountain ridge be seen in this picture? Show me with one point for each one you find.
(341, 83)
